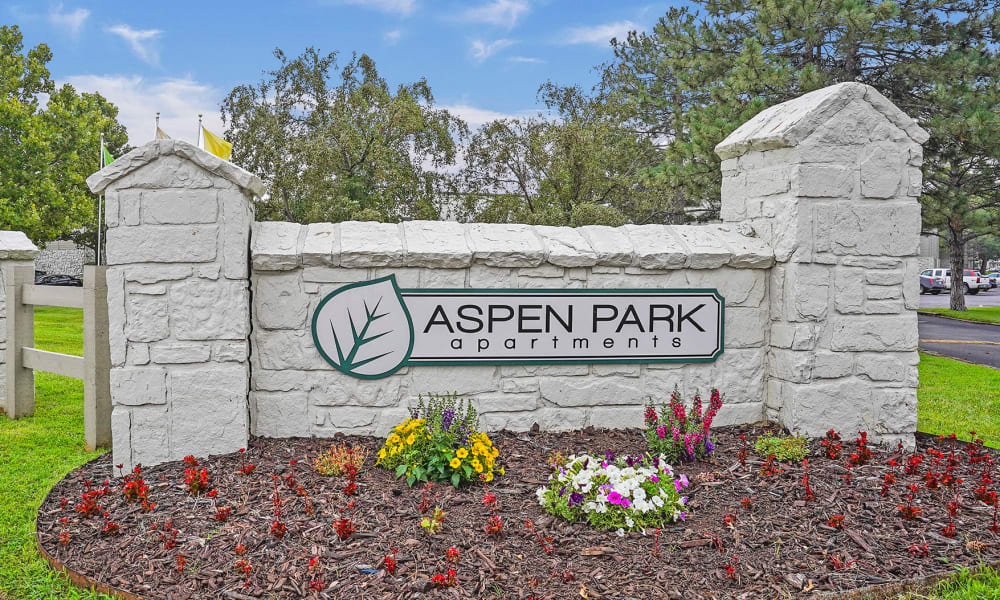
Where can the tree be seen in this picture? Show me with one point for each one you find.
(47, 152)
(334, 144)
(581, 166)
(698, 75)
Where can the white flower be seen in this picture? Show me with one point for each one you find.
(629, 522)
(540, 492)
(620, 532)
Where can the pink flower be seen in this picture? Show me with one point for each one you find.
(614, 498)
(626, 503)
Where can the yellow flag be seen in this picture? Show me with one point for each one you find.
(216, 145)
(161, 135)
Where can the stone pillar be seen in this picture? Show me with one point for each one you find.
(16, 250)
(830, 180)
(178, 301)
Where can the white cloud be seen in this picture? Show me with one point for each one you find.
(138, 99)
(140, 41)
(599, 34)
(391, 37)
(481, 50)
(402, 7)
(71, 21)
(527, 59)
(477, 117)
(498, 12)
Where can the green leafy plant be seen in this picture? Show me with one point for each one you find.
(782, 447)
(441, 441)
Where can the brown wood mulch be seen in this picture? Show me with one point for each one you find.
(781, 546)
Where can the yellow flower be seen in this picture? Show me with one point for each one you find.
(502, 471)
(489, 476)
(393, 439)
(381, 453)
(496, 453)
(462, 453)
(455, 463)
(478, 466)
(409, 440)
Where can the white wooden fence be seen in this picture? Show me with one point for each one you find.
(23, 359)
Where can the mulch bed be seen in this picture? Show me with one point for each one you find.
(783, 545)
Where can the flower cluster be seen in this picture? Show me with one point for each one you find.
(340, 459)
(441, 442)
(624, 494)
(679, 433)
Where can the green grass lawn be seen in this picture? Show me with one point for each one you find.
(956, 397)
(35, 453)
(38, 451)
(980, 315)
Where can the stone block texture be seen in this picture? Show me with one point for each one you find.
(179, 223)
(830, 181)
(294, 392)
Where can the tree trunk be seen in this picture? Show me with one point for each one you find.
(957, 247)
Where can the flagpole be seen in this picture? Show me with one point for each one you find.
(100, 205)
(199, 131)
(156, 133)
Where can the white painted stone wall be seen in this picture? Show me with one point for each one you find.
(179, 223)
(294, 392)
(816, 258)
(830, 180)
(15, 250)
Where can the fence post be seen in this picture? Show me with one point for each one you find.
(20, 334)
(97, 359)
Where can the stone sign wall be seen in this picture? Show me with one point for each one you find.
(816, 259)
(296, 393)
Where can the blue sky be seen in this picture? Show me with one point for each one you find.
(483, 58)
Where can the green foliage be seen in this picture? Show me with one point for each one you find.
(336, 143)
(441, 442)
(703, 71)
(583, 165)
(782, 447)
(49, 148)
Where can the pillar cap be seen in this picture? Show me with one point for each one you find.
(787, 124)
(150, 152)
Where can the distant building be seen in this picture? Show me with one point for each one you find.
(63, 257)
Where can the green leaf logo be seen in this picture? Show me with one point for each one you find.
(364, 329)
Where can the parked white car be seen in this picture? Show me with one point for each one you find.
(972, 281)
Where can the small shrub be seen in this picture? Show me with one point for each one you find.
(782, 447)
(627, 494)
(441, 441)
(339, 459)
(678, 433)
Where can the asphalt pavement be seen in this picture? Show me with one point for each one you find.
(987, 298)
(973, 342)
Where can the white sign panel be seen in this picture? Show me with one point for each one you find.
(371, 329)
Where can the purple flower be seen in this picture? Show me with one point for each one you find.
(654, 478)
(632, 461)
(709, 446)
(683, 516)
(677, 485)
(684, 499)
(446, 418)
(575, 499)
(684, 480)
(609, 456)
(562, 491)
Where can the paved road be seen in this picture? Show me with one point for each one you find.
(960, 339)
(987, 298)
